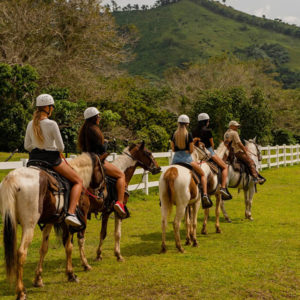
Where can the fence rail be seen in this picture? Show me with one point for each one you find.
(273, 156)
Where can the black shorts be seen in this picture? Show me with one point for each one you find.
(51, 157)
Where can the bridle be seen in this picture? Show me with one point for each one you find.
(258, 155)
(142, 164)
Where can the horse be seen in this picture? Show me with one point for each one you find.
(243, 180)
(137, 155)
(26, 199)
(235, 179)
(177, 186)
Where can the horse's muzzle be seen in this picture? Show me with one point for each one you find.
(155, 170)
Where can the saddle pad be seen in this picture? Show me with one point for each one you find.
(213, 166)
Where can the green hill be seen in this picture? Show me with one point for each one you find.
(187, 31)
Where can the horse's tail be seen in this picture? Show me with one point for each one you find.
(8, 189)
(169, 177)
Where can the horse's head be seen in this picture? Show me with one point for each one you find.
(254, 151)
(144, 157)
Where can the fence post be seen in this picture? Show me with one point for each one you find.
(269, 158)
(171, 156)
(292, 155)
(114, 156)
(145, 181)
(277, 155)
(297, 149)
(284, 154)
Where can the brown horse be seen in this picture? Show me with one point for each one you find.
(132, 157)
(26, 199)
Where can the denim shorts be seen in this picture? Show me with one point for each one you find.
(211, 150)
(182, 156)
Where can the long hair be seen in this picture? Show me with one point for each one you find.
(83, 140)
(36, 125)
(180, 135)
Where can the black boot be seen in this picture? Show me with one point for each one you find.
(205, 201)
(225, 194)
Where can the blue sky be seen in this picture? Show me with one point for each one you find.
(287, 10)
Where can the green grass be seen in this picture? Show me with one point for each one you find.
(188, 32)
(249, 260)
(15, 157)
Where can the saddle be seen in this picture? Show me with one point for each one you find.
(60, 188)
(194, 173)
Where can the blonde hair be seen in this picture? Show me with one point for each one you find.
(37, 127)
(180, 136)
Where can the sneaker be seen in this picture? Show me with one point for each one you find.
(119, 208)
(206, 202)
(225, 194)
(262, 180)
(72, 220)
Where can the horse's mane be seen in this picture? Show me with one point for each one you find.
(83, 165)
(221, 150)
(123, 161)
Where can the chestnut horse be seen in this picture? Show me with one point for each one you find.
(137, 155)
(25, 199)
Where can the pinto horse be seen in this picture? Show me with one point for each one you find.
(137, 155)
(25, 199)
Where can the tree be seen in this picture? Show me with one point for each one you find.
(69, 42)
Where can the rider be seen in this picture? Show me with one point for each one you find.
(204, 133)
(91, 139)
(182, 145)
(232, 138)
(44, 142)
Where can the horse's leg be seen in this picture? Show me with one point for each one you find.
(218, 201)
(38, 281)
(69, 267)
(196, 207)
(206, 214)
(227, 218)
(248, 195)
(165, 207)
(103, 233)
(180, 210)
(118, 226)
(81, 240)
(27, 236)
(188, 213)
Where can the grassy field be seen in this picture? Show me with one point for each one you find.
(249, 260)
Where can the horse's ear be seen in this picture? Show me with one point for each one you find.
(254, 140)
(246, 142)
(142, 145)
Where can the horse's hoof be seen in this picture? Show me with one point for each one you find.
(72, 278)
(38, 283)
(120, 258)
(21, 296)
(98, 258)
(87, 268)
(218, 230)
(228, 220)
(249, 218)
(188, 242)
(195, 244)
(180, 249)
(204, 231)
(163, 250)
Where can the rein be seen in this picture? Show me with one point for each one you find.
(144, 166)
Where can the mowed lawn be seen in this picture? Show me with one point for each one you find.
(248, 260)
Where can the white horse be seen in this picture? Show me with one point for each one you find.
(244, 181)
(21, 193)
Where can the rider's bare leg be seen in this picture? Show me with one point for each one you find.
(224, 168)
(198, 169)
(66, 171)
(115, 172)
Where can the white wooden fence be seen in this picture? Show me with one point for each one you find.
(273, 156)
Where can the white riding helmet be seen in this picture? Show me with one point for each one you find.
(90, 112)
(203, 117)
(44, 100)
(183, 119)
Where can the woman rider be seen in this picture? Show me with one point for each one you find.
(91, 139)
(44, 142)
(182, 145)
(204, 133)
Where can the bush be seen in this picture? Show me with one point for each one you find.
(283, 136)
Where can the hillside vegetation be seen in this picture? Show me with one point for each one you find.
(186, 31)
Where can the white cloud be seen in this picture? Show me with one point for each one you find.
(262, 11)
(291, 20)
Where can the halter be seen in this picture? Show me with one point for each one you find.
(258, 155)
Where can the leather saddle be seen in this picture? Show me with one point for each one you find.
(60, 187)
